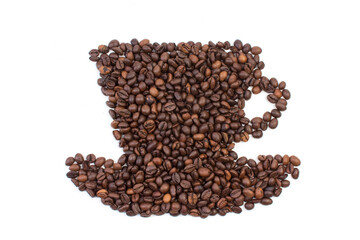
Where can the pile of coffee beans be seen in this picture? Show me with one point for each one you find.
(177, 111)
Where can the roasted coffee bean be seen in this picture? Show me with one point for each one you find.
(204, 172)
(185, 184)
(273, 123)
(235, 193)
(100, 161)
(177, 111)
(69, 161)
(79, 158)
(138, 188)
(151, 170)
(192, 199)
(167, 198)
(266, 201)
(285, 183)
(244, 136)
(259, 193)
(176, 178)
(281, 105)
(74, 167)
(248, 193)
(90, 184)
(189, 168)
(199, 137)
(256, 50)
(72, 174)
(257, 134)
(82, 178)
(102, 193)
(170, 106)
(295, 161)
(249, 205)
(295, 174)
(286, 94)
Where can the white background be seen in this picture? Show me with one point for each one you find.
(52, 108)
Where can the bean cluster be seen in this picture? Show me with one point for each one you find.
(177, 112)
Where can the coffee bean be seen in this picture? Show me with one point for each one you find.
(273, 123)
(69, 161)
(295, 161)
(82, 178)
(259, 193)
(145, 206)
(151, 170)
(138, 188)
(170, 106)
(286, 160)
(216, 136)
(102, 193)
(295, 174)
(124, 198)
(79, 158)
(281, 105)
(256, 50)
(189, 168)
(167, 198)
(248, 193)
(74, 167)
(176, 178)
(185, 184)
(199, 137)
(266, 201)
(244, 136)
(275, 113)
(249, 205)
(192, 199)
(235, 193)
(72, 174)
(285, 183)
(221, 203)
(90, 185)
(223, 75)
(286, 94)
(257, 134)
(204, 172)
